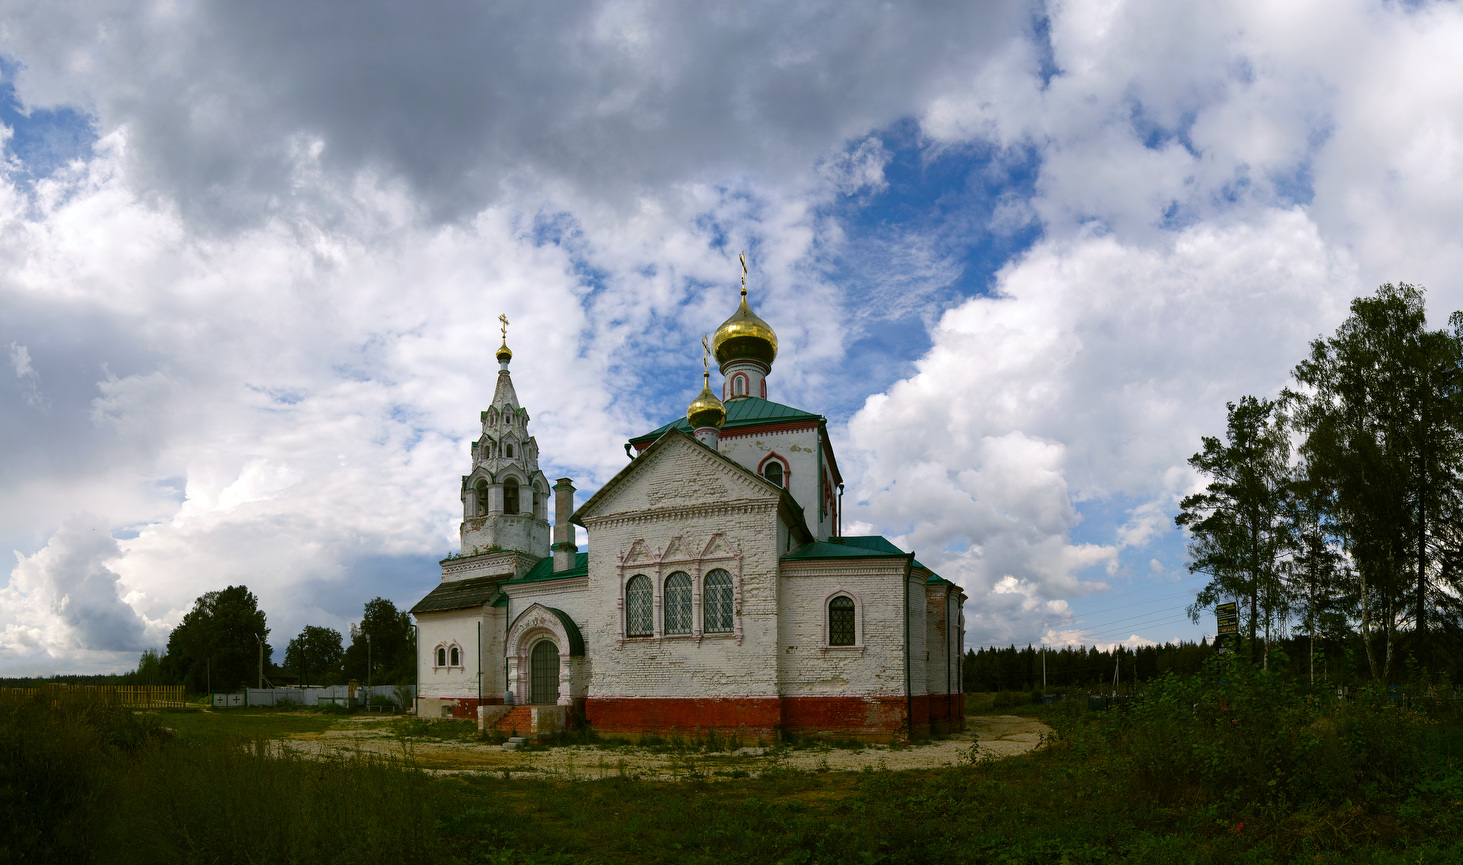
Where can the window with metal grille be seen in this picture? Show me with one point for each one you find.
(716, 602)
(543, 681)
(678, 603)
(639, 606)
(441, 657)
(456, 657)
(773, 472)
(840, 621)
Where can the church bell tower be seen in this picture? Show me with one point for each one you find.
(505, 499)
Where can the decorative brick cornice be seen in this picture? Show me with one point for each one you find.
(679, 512)
(841, 567)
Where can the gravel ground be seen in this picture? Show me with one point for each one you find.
(998, 735)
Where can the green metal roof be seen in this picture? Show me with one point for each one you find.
(858, 546)
(544, 570)
(576, 640)
(740, 412)
(461, 594)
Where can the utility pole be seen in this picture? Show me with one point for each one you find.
(368, 669)
(1043, 668)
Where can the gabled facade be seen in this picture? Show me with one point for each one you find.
(716, 591)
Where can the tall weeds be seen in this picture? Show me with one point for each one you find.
(1241, 736)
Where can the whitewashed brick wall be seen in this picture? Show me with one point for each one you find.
(688, 496)
(808, 667)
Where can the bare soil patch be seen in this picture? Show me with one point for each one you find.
(999, 736)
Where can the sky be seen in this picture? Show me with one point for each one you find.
(1019, 254)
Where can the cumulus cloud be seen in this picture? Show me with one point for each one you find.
(1090, 375)
(66, 596)
(601, 99)
(259, 314)
(25, 376)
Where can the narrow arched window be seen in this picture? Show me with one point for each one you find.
(841, 621)
(456, 657)
(678, 603)
(509, 450)
(639, 606)
(773, 472)
(482, 496)
(510, 495)
(441, 657)
(716, 603)
(739, 385)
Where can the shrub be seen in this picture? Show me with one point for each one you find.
(56, 753)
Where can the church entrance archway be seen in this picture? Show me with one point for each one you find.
(543, 667)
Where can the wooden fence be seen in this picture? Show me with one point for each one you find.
(132, 696)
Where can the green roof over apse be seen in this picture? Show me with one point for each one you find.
(741, 412)
(544, 571)
(858, 547)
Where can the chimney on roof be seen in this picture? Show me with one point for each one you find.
(563, 547)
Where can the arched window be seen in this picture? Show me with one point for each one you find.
(510, 494)
(482, 496)
(509, 452)
(441, 657)
(678, 603)
(772, 471)
(639, 606)
(716, 603)
(739, 385)
(841, 621)
(456, 657)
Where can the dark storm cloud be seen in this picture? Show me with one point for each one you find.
(71, 573)
(223, 102)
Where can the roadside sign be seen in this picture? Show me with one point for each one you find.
(1227, 616)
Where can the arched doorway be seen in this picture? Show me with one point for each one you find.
(543, 674)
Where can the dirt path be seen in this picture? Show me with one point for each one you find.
(999, 736)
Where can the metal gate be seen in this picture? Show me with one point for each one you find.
(543, 682)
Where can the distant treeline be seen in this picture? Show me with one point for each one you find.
(1340, 660)
(223, 644)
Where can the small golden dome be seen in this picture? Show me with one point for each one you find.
(744, 336)
(706, 410)
(505, 353)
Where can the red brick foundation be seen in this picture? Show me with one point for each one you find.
(877, 718)
(753, 716)
(466, 707)
(862, 717)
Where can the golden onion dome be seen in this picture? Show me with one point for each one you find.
(744, 336)
(706, 410)
(505, 353)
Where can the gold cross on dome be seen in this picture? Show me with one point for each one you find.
(743, 258)
(706, 355)
(504, 319)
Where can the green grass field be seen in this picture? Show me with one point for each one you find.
(1253, 770)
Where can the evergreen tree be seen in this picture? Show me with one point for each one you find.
(1238, 527)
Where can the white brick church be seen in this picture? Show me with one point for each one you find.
(716, 593)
